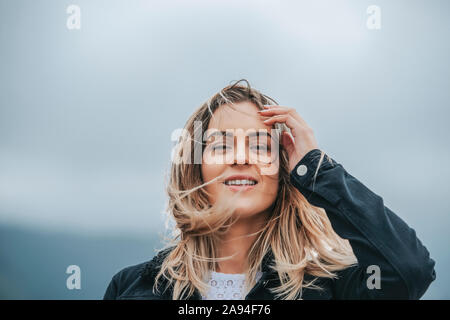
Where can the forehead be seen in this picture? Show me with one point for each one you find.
(241, 115)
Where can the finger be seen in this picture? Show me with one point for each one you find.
(288, 136)
(282, 110)
(287, 119)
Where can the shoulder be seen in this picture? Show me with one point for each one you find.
(127, 276)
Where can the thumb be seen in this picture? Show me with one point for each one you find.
(288, 139)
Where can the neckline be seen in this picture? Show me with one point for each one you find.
(231, 274)
(228, 274)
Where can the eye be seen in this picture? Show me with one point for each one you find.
(220, 147)
(261, 146)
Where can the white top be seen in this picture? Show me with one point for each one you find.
(227, 286)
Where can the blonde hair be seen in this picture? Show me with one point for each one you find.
(299, 234)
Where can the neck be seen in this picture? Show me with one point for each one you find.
(238, 241)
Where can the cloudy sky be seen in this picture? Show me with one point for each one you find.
(86, 115)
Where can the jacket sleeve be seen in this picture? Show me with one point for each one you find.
(111, 290)
(379, 238)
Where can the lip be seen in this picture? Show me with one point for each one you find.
(240, 177)
(240, 188)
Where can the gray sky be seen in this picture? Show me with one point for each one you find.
(86, 115)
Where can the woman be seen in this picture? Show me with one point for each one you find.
(262, 213)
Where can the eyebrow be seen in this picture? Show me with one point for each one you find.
(229, 134)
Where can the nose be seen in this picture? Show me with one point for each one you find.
(240, 154)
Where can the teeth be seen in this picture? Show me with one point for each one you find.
(240, 182)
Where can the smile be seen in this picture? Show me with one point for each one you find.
(240, 185)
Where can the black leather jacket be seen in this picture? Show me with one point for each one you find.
(377, 236)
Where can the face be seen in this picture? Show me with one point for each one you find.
(238, 154)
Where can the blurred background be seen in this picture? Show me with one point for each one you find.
(86, 117)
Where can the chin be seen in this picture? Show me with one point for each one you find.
(247, 211)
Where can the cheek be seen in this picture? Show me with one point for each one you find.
(270, 191)
(209, 172)
(271, 184)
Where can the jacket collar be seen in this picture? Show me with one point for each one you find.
(152, 267)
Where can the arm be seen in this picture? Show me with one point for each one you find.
(377, 235)
(111, 290)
